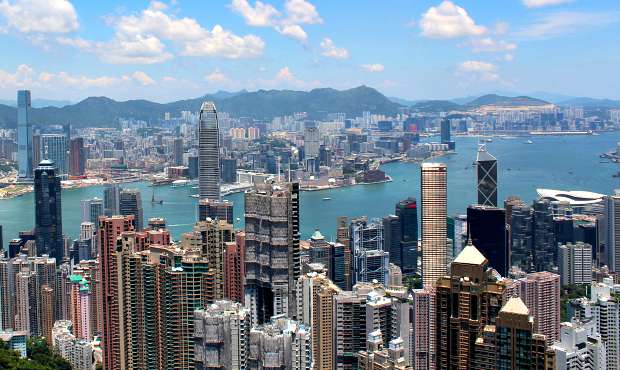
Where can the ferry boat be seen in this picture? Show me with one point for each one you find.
(327, 198)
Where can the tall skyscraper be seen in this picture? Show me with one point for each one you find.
(177, 151)
(486, 169)
(24, 136)
(540, 291)
(234, 267)
(458, 323)
(92, 209)
(407, 212)
(434, 179)
(48, 211)
(370, 259)
(55, 148)
(486, 228)
(612, 210)
(111, 197)
(130, 203)
(77, 157)
(110, 229)
(208, 153)
(272, 250)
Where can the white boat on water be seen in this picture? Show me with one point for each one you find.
(529, 142)
(179, 183)
(327, 198)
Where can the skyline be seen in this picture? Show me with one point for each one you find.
(428, 50)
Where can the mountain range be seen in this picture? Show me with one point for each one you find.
(263, 105)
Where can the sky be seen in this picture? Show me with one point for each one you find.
(178, 49)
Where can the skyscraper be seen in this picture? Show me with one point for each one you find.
(130, 203)
(111, 197)
(177, 151)
(48, 212)
(55, 148)
(466, 301)
(91, 210)
(540, 291)
(24, 136)
(486, 228)
(77, 157)
(407, 212)
(434, 217)
(612, 210)
(208, 153)
(370, 259)
(486, 169)
(272, 263)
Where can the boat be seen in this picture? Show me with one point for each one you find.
(179, 183)
(616, 174)
(529, 142)
(487, 140)
(327, 198)
(155, 201)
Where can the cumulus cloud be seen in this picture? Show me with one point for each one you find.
(143, 38)
(39, 16)
(448, 20)
(285, 74)
(330, 50)
(143, 78)
(287, 22)
(216, 76)
(376, 67)
(561, 23)
(22, 77)
(541, 3)
(477, 70)
(487, 44)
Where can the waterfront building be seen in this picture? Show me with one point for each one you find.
(512, 342)
(407, 213)
(579, 347)
(130, 204)
(486, 228)
(229, 170)
(378, 356)
(519, 217)
(77, 157)
(111, 197)
(540, 291)
(221, 336)
(25, 163)
(575, 263)
(543, 248)
(486, 170)
(177, 151)
(434, 215)
(370, 259)
(92, 209)
(272, 261)
(48, 211)
(458, 325)
(315, 294)
(208, 153)
(216, 210)
(56, 149)
(234, 268)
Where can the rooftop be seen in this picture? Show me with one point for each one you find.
(470, 255)
(515, 305)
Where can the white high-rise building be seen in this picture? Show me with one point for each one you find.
(603, 308)
(580, 347)
(434, 215)
(575, 263)
(208, 153)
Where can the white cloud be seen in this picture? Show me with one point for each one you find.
(285, 74)
(487, 44)
(541, 3)
(143, 78)
(478, 70)
(40, 16)
(448, 20)
(294, 31)
(501, 28)
(216, 76)
(330, 50)
(261, 15)
(287, 22)
(144, 38)
(561, 23)
(509, 57)
(376, 67)
(22, 77)
(302, 11)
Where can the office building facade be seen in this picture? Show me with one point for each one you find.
(48, 211)
(208, 153)
(25, 151)
(434, 216)
(486, 175)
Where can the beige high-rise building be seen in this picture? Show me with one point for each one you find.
(315, 294)
(434, 215)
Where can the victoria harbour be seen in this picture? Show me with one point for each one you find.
(556, 162)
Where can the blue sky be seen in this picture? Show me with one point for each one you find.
(178, 49)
